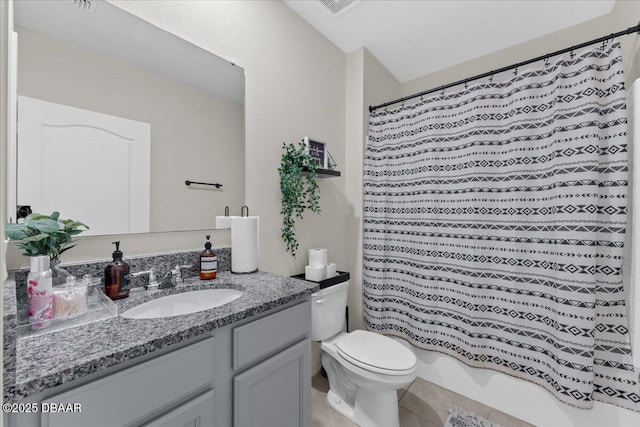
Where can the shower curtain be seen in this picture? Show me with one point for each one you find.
(494, 221)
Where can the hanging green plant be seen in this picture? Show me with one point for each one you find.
(298, 194)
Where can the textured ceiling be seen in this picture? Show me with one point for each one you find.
(415, 38)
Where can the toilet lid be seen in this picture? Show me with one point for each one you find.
(371, 350)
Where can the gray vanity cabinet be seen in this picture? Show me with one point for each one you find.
(276, 390)
(275, 393)
(255, 372)
(197, 412)
(135, 394)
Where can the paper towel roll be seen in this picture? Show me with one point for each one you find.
(223, 222)
(332, 270)
(315, 273)
(245, 244)
(317, 257)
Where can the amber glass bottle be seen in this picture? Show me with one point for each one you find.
(208, 262)
(116, 276)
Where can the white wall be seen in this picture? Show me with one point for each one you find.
(295, 85)
(368, 83)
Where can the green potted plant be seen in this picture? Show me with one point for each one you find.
(40, 235)
(298, 193)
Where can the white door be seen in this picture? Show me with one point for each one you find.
(91, 167)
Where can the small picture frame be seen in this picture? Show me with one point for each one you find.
(318, 151)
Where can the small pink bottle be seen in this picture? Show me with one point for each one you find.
(40, 293)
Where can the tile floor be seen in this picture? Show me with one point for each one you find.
(423, 404)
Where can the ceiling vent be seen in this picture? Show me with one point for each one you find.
(88, 6)
(338, 7)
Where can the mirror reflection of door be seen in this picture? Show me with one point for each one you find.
(109, 61)
(61, 150)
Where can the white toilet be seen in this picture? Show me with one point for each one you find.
(365, 369)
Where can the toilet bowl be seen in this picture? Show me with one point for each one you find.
(365, 369)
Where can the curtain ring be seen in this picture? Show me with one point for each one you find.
(572, 54)
(442, 90)
(515, 72)
(546, 61)
(465, 85)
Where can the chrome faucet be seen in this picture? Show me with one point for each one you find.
(179, 269)
(152, 282)
(170, 278)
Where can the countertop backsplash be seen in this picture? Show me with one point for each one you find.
(160, 262)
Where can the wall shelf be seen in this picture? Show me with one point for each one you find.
(323, 173)
(341, 277)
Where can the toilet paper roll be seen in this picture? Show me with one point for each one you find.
(223, 222)
(317, 257)
(332, 270)
(245, 244)
(314, 273)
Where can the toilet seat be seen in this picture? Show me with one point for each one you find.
(376, 353)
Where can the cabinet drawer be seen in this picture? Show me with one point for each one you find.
(138, 391)
(197, 412)
(270, 334)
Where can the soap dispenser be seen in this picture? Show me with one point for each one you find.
(116, 276)
(208, 262)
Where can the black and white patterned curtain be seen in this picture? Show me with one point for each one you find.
(494, 221)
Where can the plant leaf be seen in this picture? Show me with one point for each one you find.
(34, 216)
(36, 238)
(45, 225)
(15, 231)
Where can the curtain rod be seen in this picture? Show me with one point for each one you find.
(629, 30)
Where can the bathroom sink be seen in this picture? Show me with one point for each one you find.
(184, 303)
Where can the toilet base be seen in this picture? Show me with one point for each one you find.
(370, 410)
(339, 405)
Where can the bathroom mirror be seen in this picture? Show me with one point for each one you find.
(115, 115)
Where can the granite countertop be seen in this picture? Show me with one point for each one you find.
(49, 360)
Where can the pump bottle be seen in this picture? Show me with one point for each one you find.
(208, 262)
(116, 276)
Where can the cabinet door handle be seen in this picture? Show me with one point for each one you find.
(319, 301)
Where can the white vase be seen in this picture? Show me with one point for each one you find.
(40, 292)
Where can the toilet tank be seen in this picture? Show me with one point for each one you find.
(328, 311)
